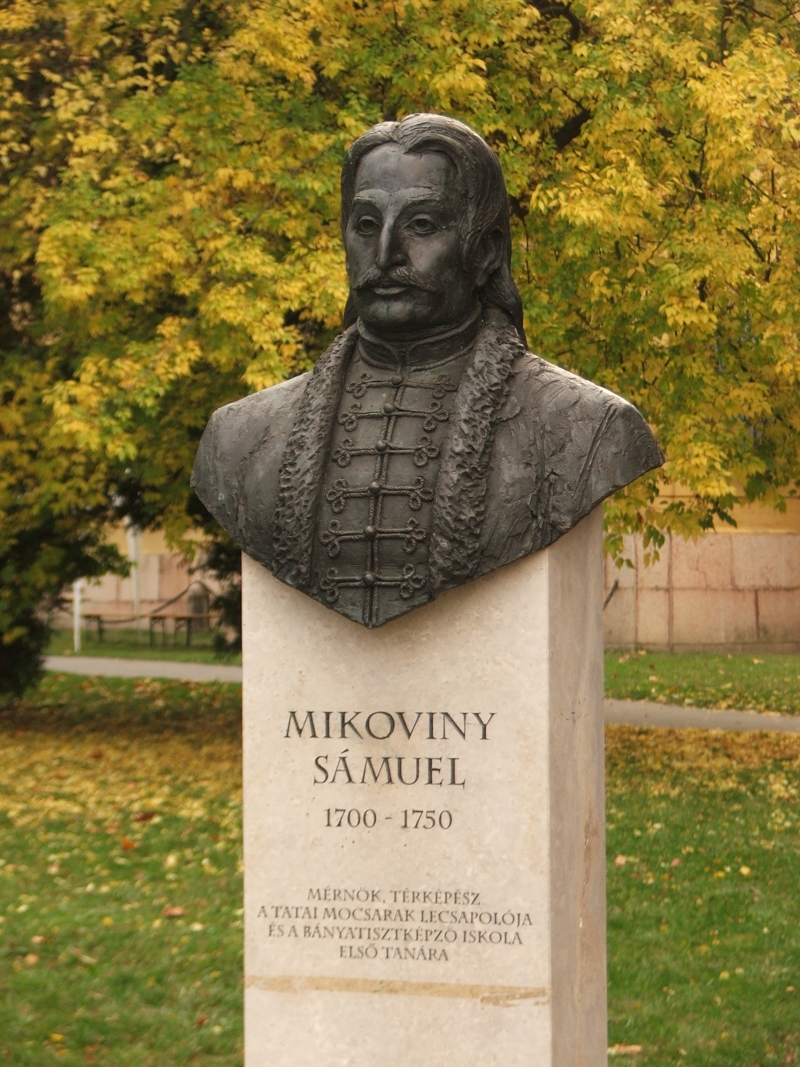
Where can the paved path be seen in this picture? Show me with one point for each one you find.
(648, 713)
(631, 712)
(143, 668)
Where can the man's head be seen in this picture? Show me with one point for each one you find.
(425, 225)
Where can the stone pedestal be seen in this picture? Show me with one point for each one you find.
(424, 858)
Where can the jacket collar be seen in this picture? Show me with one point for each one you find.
(428, 352)
(460, 496)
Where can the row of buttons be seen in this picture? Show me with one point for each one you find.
(370, 578)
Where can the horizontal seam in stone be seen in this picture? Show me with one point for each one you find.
(497, 996)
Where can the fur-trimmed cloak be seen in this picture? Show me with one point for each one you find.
(529, 451)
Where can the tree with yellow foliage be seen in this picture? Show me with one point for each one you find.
(169, 199)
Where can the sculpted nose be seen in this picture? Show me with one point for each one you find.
(390, 252)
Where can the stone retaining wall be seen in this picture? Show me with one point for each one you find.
(724, 592)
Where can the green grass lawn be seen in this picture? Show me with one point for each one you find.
(120, 884)
(703, 908)
(120, 878)
(127, 645)
(758, 683)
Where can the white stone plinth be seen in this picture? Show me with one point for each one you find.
(478, 941)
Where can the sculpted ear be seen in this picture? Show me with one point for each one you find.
(487, 256)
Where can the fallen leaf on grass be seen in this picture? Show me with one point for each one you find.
(144, 816)
(81, 956)
(620, 861)
(625, 1050)
(31, 959)
(201, 1020)
(172, 913)
(128, 845)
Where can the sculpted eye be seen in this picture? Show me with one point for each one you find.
(422, 226)
(366, 226)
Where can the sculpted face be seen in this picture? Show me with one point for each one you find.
(403, 245)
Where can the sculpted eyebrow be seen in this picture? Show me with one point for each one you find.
(422, 198)
(426, 198)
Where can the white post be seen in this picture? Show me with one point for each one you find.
(134, 555)
(77, 587)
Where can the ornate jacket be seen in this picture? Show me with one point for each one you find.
(372, 488)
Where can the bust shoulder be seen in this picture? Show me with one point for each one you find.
(594, 441)
(242, 416)
(259, 423)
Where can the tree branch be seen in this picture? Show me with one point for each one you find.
(752, 244)
(552, 9)
(571, 128)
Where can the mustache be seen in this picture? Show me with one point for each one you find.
(377, 279)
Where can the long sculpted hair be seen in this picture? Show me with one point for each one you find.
(479, 180)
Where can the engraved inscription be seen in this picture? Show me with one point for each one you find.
(387, 762)
(391, 769)
(379, 923)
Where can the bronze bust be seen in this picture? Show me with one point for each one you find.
(428, 446)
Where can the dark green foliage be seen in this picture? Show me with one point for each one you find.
(34, 569)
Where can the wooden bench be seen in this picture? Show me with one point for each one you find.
(182, 622)
(99, 618)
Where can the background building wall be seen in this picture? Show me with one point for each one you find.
(727, 591)
(165, 581)
(736, 590)
(162, 575)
